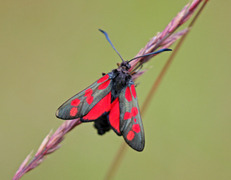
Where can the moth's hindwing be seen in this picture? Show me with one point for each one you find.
(131, 126)
(114, 116)
(90, 103)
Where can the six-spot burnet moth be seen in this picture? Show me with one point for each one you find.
(111, 102)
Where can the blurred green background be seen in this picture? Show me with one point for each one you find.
(50, 50)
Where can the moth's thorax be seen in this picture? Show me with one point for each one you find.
(120, 79)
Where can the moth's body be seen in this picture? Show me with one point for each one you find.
(120, 79)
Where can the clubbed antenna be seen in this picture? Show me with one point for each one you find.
(156, 52)
(106, 35)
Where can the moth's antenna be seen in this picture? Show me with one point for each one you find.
(106, 35)
(161, 50)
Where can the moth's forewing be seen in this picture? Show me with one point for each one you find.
(82, 103)
(131, 126)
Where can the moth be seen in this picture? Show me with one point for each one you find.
(111, 103)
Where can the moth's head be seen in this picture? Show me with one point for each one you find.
(125, 65)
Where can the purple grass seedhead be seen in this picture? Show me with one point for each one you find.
(50, 144)
(167, 37)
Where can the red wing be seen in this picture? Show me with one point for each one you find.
(114, 116)
(131, 126)
(90, 103)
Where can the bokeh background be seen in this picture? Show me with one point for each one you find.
(50, 50)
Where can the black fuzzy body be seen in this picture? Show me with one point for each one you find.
(120, 78)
